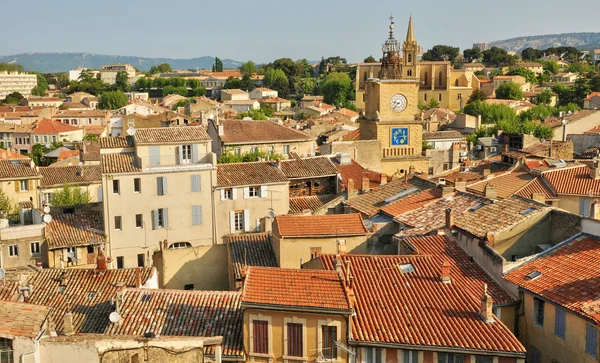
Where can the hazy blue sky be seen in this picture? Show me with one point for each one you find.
(264, 30)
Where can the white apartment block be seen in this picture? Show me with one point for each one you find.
(16, 82)
(108, 73)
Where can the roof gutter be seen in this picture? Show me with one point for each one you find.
(299, 309)
(436, 349)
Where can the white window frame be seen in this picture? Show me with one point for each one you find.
(13, 250)
(141, 220)
(34, 248)
(254, 192)
(120, 219)
(116, 182)
(227, 194)
(24, 185)
(238, 221)
(186, 153)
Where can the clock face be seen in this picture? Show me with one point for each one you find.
(398, 102)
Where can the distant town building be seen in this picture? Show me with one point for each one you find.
(16, 82)
(482, 46)
(74, 74)
(108, 73)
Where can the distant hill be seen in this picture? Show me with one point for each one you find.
(62, 62)
(579, 40)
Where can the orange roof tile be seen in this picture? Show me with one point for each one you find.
(506, 184)
(356, 172)
(573, 181)
(293, 288)
(308, 167)
(570, 276)
(352, 135)
(537, 185)
(170, 135)
(412, 202)
(67, 154)
(22, 319)
(249, 173)
(592, 95)
(312, 203)
(325, 225)
(242, 131)
(81, 229)
(250, 249)
(46, 126)
(417, 309)
(120, 163)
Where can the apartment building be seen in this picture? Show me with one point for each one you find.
(157, 189)
(16, 82)
(108, 73)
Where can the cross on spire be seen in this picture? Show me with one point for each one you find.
(391, 18)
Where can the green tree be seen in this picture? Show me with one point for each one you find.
(42, 82)
(498, 57)
(370, 59)
(491, 113)
(550, 66)
(337, 89)
(199, 91)
(169, 90)
(287, 65)
(433, 103)
(594, 82)
(11, 67)
(472, 54)
(160, 82)
(528, 74)
(580, 67)
(180, 103)
(161, 68)
(441, 52)
(38, 91)
(193, 83)
(544, 97)
(233, 83)
(248, 68)
(303, 68)
(277, 80)
(477, 95)
(13, 98)
(581, 89)
(509, 91)
(253, 114)
(218, 66)
(70, 195)
(6, 205)
(37, 154)
(177, 82)
(112, 100)
(142, 83)
(529, 54)
(91, 137)
(122, 81)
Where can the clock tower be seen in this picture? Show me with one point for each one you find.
(391, 107)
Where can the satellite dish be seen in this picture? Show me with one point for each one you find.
(131, 131)
(2, 273)
(271, 214)
(114, 317)
(211, 116)
(46, 209)
(47, 218)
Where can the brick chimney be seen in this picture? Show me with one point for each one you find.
(365, 186)
(382, 179)
(486, 306)
(486, 172)
(460, 185)
(100, 261)
(68, 324)
(337, 263)
(595, 174)
(411, 169)
(595, 212)
(447, 191)
(341, 247)
(446, 272)
(449, 218)
(490, 191)
(351, 191)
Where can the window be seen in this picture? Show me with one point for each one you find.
(118, 222)
(34, 247)
(373, 355)
(440, 79)
(535, 355)
(409, 57)
(364, 76)
(560, 323)
(161, 185)
(440, 97)
(120, 262)
(13, 250)
(139, 221)
(196, 183)
(484, 359)
(294, 340)
(24, 185)
(286, 149)
(140, 258)
(238, 221)
(6, 352)
(178, 245)
(137, 185)
(45, 139)
(116, 188)
(228, 194)
(254, 192)
(186, 153)
(450, 358)
(409, 73)
(160, 218)
(410, 356)
(591, 341)
(237, 151)
(188, 287)
(425, 97)
(538, 312)
(154, 157)
(46, 198)
(196, 215)
(260, 336)
(329, 349)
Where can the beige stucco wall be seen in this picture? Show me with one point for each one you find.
(277, 323)
(92, 189)
(570, 203)
(365, 152)
(390, 355)
(578, 127)
(571, 349)
(301, 148)
(16, 196)
(25, 256)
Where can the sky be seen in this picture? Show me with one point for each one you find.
(264, 30)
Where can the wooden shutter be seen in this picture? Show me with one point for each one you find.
(196, 215)
(246, 220)
(222, 194)
(180, 153)
(263, 191)
(246, 192)
(195, 153)
(154, 155)
(164, 182)
(234, 193)
(560, 323)
(165, 217)
(260, 336)
(232, 221)
(294, 340)
(196, 183)
(154, 219)
(591, 341)
(17, 186)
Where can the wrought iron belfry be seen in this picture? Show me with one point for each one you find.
(391, 60)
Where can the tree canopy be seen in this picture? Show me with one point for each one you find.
(161, 68)
(337, 89)
(70, 195)
(248, 68)
(509, 91)
(276, 79)
(11, 67)
(218, 66)
(122, 81)
(112, 100)
(498, 57)
(370, 59)
(13, 98)
(472, 54)
(440, 53)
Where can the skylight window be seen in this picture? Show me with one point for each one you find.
(61, 288)
(476, 207)
(406, 268)
(527, 211)
(146, 297)
(533, 275)
(91, 294)
(400, 195)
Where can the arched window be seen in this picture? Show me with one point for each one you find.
(440, 79)
(426, 77)
(409, 72)
(456, 83)
(178, 245)
(409, 57)
(365, 76)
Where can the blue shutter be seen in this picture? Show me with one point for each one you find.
(99, 194)
(180, 153)
(154, 155)
(165, 218)
(164, 182)
(154, 219)
(560, 323)
(195, 183)
(196, 215)
(195, 153)
(159, 184)
(591, 341)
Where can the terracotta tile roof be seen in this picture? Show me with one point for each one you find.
(14, 128)
(308, 168)
(18, 169)
(22, 319)
(79, 229)
(356, 172)
(324, 225)
(170, 135)
(116, 142)
(463, 270)
(183, 313)
(476, 173)
(592, 95)
(8, 290)
(68, 154)
(293, 288)
(312, 203)
(120, 163)
(90, 150)
(352, 135)
(47, 126)
(417, 309)
(348, 112)
(94, 129)
(557, 121)
(432, 216)
(574, 181)
(499, 216)
(442, 135)
(412, 202)
(591, 152)
(252, 173)
(80, 174)
(247, 132)
(7, 154)
(250, 249)
(86, 295)
(371, 203)
(506, 184)
(570, 276)
(537, 185)
(80, 113)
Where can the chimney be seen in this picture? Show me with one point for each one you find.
(68, 324)
(411, 169)
(341, 247)
(490, 239)
(505, 148)
(446, 272)
(447, 191)
(138, 277)
(486, 306)
(460, 185)
(278, 163)
(486, 172)
(338, 265)
(220, 129)
(382, 179)
(538, 197)
(351, 191)
(595, 169)
(365, 185)
(595, 213)
(449, 218)
(490, 191)
(100, 261)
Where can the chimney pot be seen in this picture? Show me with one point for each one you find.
(486, 306)
(449, 218)
(365, 187)
(100, 261)
(351, 190)
(446, 272)
(596, 169)
(460, 185)
(382, 179)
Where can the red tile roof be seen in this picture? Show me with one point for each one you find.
(325, 225)
(592, 95)
(7, 154)
(116, 142)
(537, 185)
(312, 203)
(120, 163)
(371, 203)
(18, 169)
(22, 319)
(352, 135)
(249, 132)
(308, 167)
(46, 126)
(356, 172)
(506, 184)
(79, 229)
(417, 309)
(8, 290)
(570, 276)
(293, 288)
(250, 173)
(412, 202)
(67, 154)
(183, 313)
(170, 135)
(250, 249)
(76, 174)
(574, 181)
